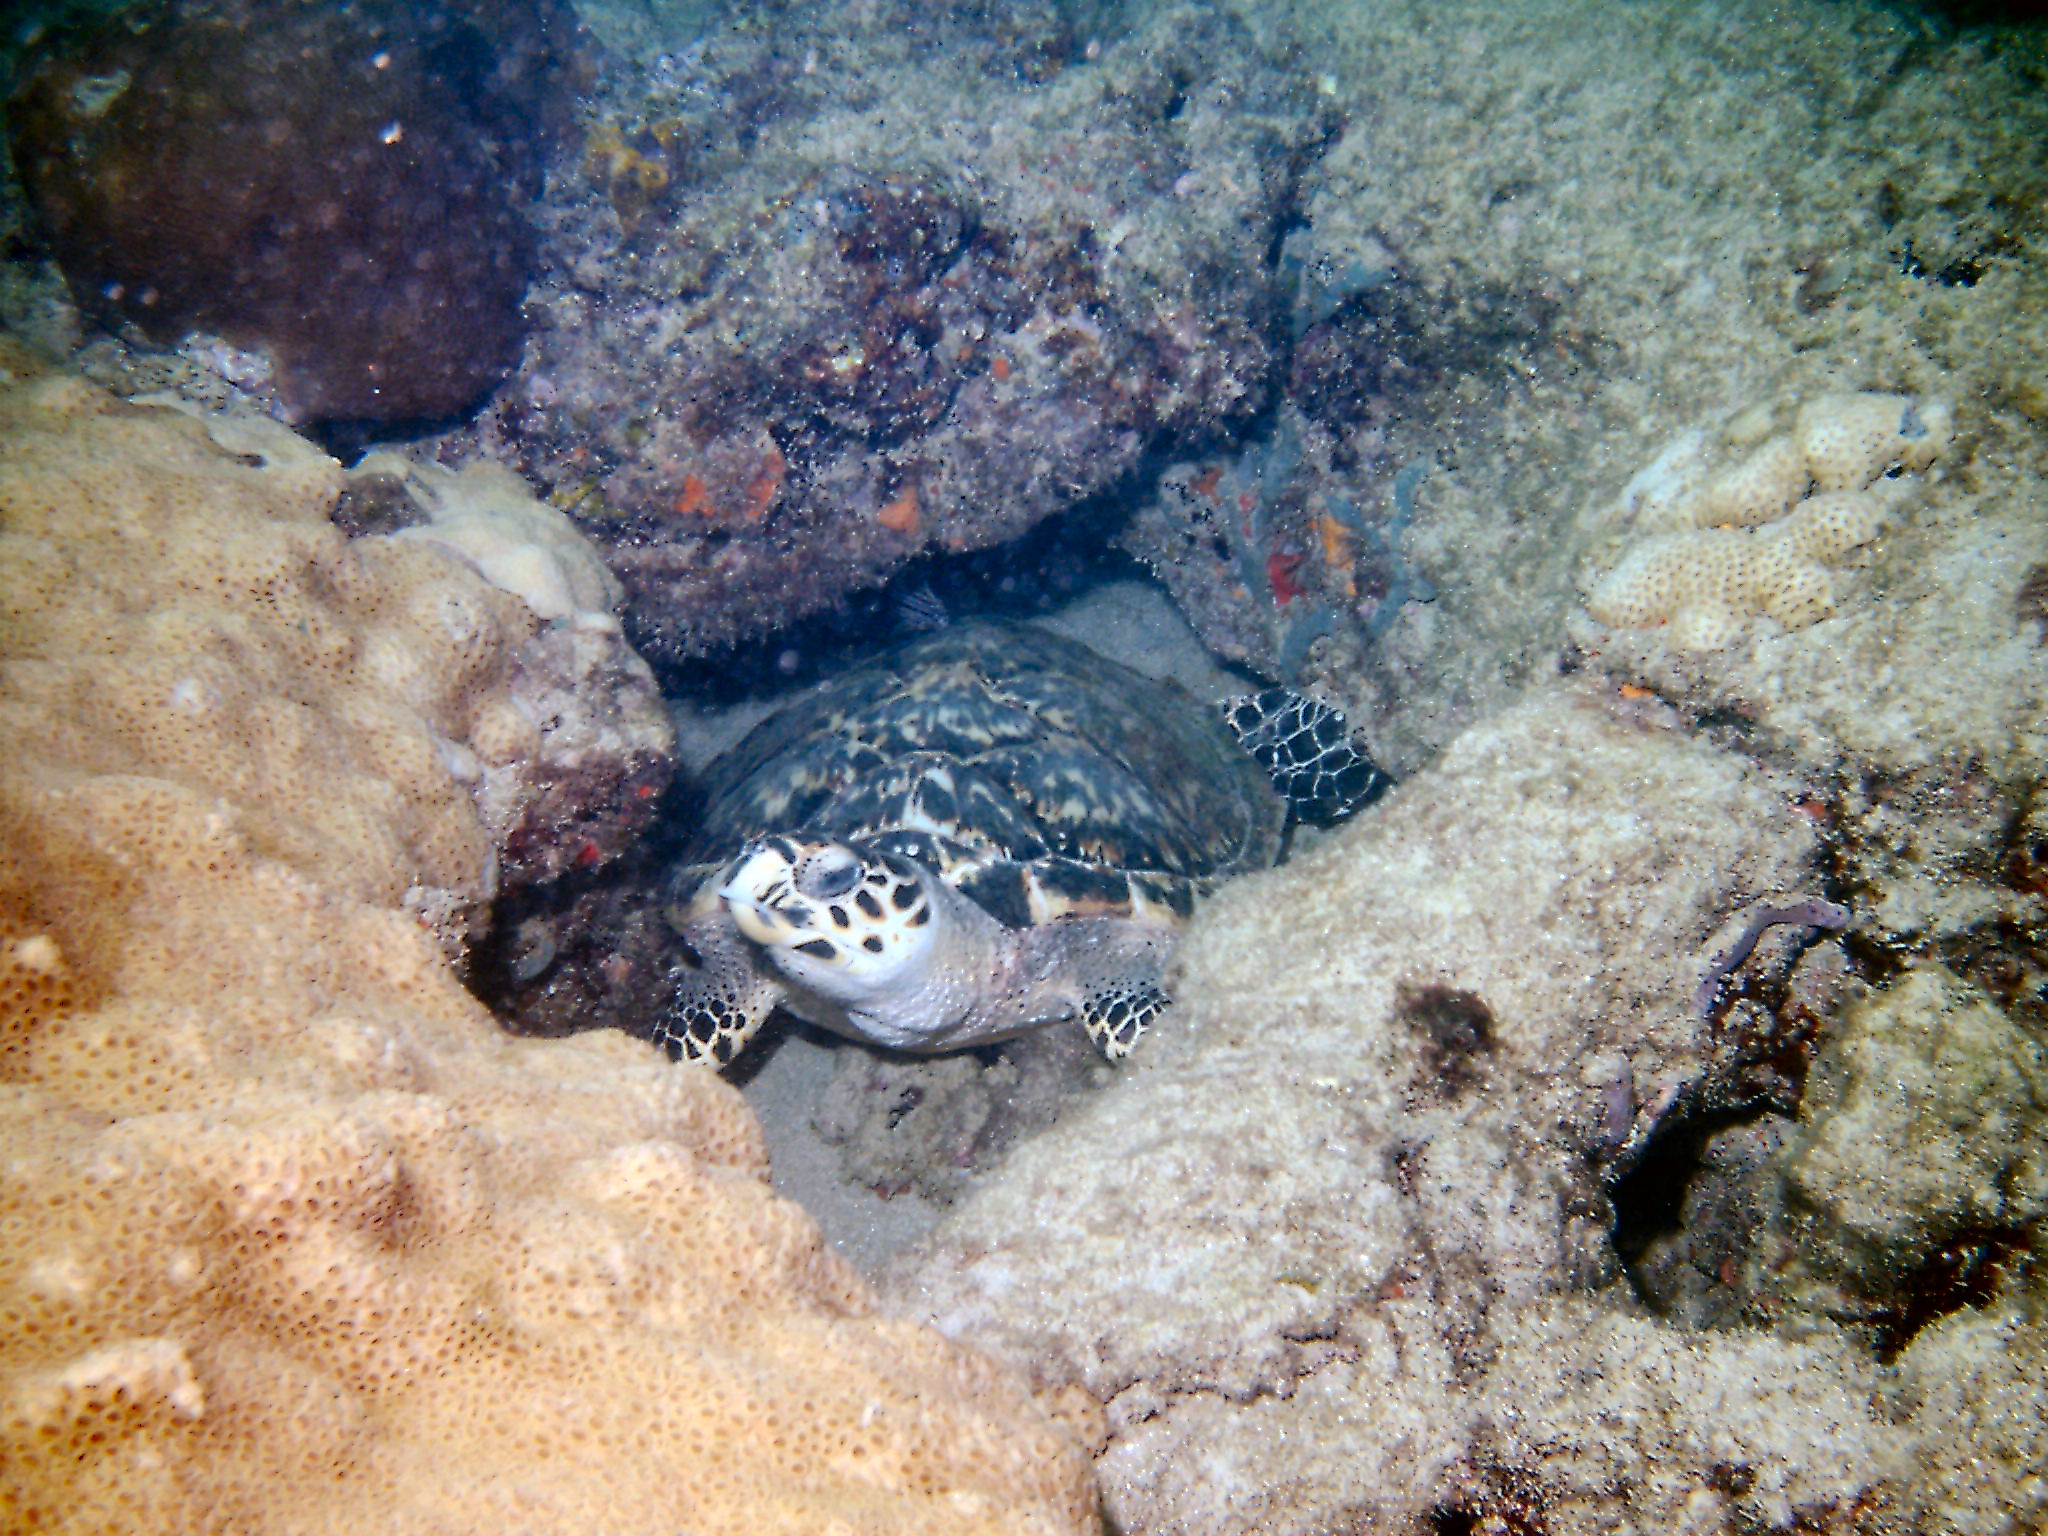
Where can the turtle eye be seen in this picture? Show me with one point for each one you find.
(830, 874)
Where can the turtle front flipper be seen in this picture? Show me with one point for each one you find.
(1111, 970)
(719, 1003)
(1308, 752)
(1117, 1013)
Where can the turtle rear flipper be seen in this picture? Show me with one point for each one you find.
(1307, 750)
(719, 1003)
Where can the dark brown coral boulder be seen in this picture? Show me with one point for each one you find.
(858, 288)
(341, 189)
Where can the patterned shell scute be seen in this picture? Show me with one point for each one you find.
(1030, 772)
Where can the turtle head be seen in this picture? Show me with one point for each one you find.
(845, 919)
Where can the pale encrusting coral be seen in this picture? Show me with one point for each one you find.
(293, 1237)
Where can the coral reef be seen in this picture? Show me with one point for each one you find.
(293, 1237)
(1916, 726)
(1441, 1205)
(1387, 1144)
(1757, 536)
(1467, 1193)
(338, 189)
(1564, 239)
(891, 304)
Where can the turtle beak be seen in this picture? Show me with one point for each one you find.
(756, 889)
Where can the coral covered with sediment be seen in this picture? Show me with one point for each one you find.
(292, 1237)
(1359, 1244)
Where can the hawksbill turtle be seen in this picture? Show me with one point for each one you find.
(988, 830)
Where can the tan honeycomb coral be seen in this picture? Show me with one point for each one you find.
(1758, 536)
(1851, 439)
(292, 1237)
(341, 679)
